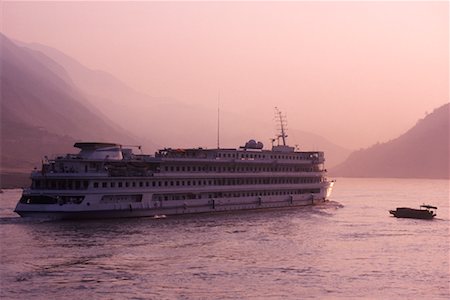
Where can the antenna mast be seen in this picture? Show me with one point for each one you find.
(283, 124)
(218, 120)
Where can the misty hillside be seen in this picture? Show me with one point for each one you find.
(161, 120)
(422, 152)
(170, 123)
(33, 94)
(23, 146)
(40, 110)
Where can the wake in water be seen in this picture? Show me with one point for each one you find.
(330, 205)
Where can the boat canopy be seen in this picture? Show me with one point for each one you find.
(428, 206)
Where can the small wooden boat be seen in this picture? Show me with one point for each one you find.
(425, 212)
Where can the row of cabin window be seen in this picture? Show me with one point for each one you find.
(209, 182)
(166, 197)
(240, 169)
(262, 156)
(59, 184)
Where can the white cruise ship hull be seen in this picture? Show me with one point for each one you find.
(93, 209)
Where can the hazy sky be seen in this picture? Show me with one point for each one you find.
(354, 72)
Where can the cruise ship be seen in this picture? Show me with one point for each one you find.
(108, 180)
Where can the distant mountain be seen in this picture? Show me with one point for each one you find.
(422, 152)
(159, 119)
(171, 123)
(33, 94)
(334, 154)
(42, 112)
(23, 146)
(22, 149)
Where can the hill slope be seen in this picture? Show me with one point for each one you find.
(41, 111)
(422, 152)
(33, 94)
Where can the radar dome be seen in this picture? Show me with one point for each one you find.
(252, 144)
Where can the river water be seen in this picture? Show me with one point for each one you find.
(348, 247)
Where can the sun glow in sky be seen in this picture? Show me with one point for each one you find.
(353, 72)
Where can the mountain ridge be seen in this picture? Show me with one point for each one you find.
(33, 94)
(170, 120)
(40, 111)
(421, 152)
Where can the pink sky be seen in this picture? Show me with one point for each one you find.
(353, 72)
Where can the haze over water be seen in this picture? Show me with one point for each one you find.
(349, 247)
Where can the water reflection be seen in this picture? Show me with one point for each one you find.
(351, 247)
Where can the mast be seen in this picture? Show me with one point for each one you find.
(282, 123)
(218, 120)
